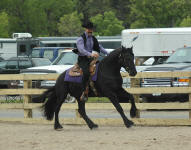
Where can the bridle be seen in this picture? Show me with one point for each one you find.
(122, 62)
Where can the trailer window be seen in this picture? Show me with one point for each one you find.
(22, 48)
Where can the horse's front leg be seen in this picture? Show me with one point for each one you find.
(114, 99)
(133, 110)
(82, 111)
(125, 97)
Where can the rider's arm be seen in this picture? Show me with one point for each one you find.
(102, 49)
(81, 48)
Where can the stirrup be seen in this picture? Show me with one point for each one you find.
(93, 88)
(83, 97)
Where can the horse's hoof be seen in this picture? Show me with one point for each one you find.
(95, 126)
(58, 128)
(129, 124)
(133, 113)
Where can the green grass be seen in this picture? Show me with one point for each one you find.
(98, 100)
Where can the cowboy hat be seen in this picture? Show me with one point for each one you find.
(88, 25)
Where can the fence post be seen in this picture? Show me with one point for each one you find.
(189, 99)
(135, 82)
(27, 99)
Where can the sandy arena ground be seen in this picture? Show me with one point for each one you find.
(17, 136)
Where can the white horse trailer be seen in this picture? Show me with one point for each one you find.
(8, 48)
(156, 42)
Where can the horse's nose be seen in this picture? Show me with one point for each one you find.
(133, 73)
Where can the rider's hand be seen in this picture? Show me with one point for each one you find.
(96, 55)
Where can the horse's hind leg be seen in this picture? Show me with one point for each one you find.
(82, 111)
(124, 96)
(60, 99)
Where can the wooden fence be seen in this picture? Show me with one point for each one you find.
(27, 106)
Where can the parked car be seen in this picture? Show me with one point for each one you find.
(179, 61)
(15, 64)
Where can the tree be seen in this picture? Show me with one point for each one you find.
(90, 8)
(54, 10)
(14, 9)
(122, 9)
(107, 24)
(4, 25)
(37, 17)
(186, 22)
(3, 4)
(163, 13)
(83, 6)
(70, 25)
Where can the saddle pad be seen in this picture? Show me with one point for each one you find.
(78, 79)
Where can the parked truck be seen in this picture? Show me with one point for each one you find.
(156, 42)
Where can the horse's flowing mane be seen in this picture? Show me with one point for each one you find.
(115, 53)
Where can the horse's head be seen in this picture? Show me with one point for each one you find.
(126, 59)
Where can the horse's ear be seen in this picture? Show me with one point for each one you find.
(123, 48)
(130, 50)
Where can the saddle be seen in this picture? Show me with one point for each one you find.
(77, 71)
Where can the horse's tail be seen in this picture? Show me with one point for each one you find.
(49, 106)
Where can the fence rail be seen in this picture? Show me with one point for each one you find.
(27, 106)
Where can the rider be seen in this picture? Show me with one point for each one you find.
(88, 48)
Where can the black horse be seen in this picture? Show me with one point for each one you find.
(108, 84)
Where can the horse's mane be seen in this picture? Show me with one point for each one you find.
(115, 53)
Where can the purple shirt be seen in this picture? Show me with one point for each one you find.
(88, 48)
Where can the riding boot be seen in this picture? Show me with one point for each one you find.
(93, 88)
(84, 96)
